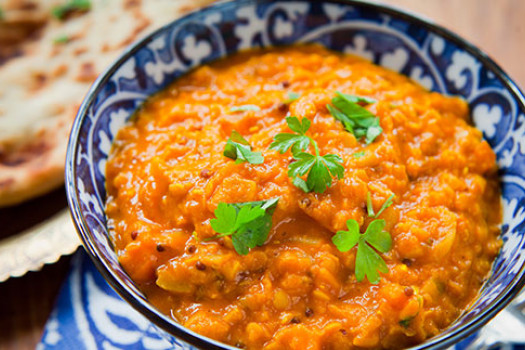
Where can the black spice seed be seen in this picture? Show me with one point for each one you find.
(160, 247)
(295, 320)
(305, 202)
(240, 345)
(205, 173)
(200, 266)
(292, 160)
(192, 249)
(285, 84)
(221, 241)
(308, 312)
(407, 262)
(282, 107)
(409, 291)
(343, 332)
(134, 235)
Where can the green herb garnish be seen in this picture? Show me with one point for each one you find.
(292, 96)
(63, 39)
(385, 205)
(297, 142)
(245, 108)
(370, 208)
(367, 261)
(248, 223)
(355, 118)
(406, 322)
(61, 11)
(359, 154)
(238, 149)
(319, 169)
(2, 15)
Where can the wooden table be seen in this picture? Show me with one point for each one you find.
(497, 27)
(25, 303)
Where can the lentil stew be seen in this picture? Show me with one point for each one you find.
(418, 168)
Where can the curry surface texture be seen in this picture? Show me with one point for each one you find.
(167, 174)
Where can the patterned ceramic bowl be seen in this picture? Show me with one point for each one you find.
(433, 56)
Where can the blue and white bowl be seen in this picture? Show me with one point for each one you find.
(429, 54)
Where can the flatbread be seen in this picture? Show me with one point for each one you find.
(43, 80)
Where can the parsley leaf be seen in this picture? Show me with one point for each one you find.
(356, 99)
(334, 163)
(346, 240)
(321, 172)
(298, 142)
(238, 149)
(247, 223)
(304, 162)
(60, 12)
(245, 108)
(319, 176)
(359, 154)
(385, 205)
(292, 96)
(367, 262)
(370, 208)
(301, 184)
(320, 169)
(355, 118)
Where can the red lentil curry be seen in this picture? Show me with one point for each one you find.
(299, 198)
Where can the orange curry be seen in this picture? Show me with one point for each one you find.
(167, 175)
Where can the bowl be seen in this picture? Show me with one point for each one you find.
(436, 58)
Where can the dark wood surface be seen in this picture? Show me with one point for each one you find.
(497, 27)
(25, 302)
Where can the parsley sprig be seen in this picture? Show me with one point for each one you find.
(319, 170)
(60, 12)
(247, 223)
(367, 261)
(355, 118)
(370, 208)
(238, 149)
(297, 142)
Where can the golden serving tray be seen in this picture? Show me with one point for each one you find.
(42, 244)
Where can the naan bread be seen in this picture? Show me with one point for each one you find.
(42, 86)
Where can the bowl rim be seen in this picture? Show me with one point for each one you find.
(139, 303)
